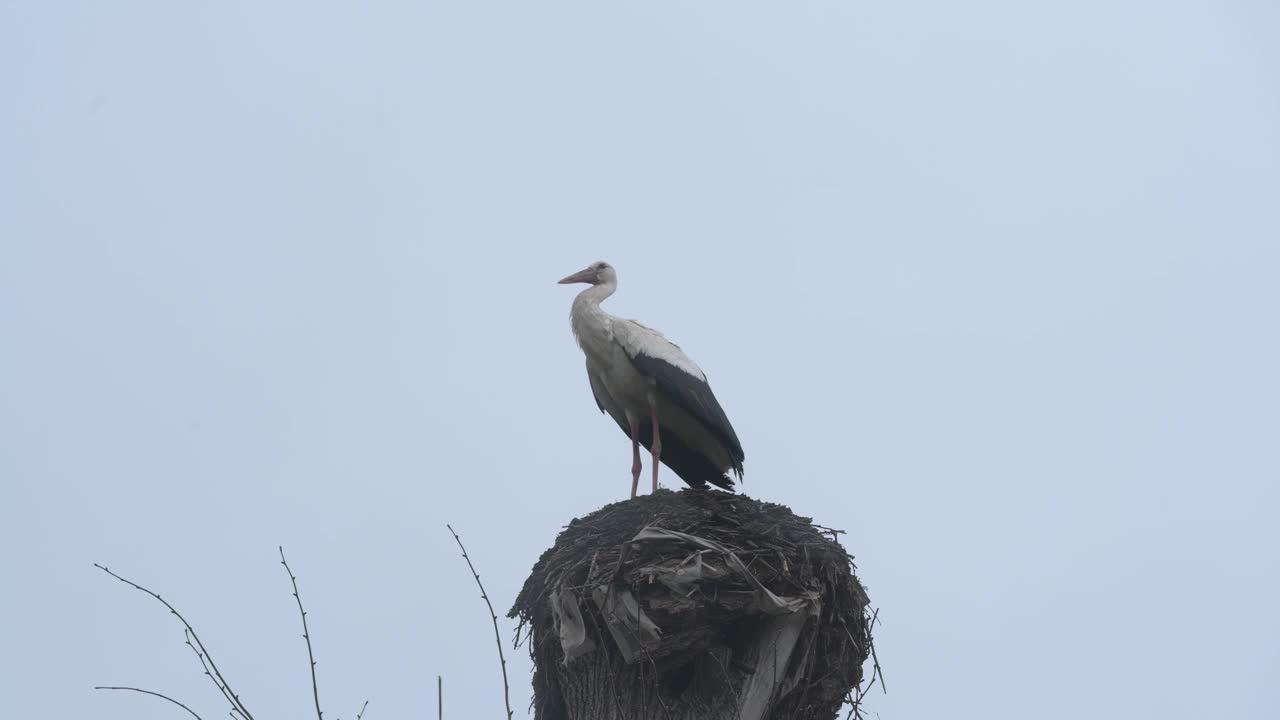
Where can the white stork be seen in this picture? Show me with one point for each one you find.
(655, 393)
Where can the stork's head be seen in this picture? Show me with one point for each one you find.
(597, 273)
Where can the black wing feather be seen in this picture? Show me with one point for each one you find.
(694, 396)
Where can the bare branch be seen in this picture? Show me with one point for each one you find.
(154, 694)
(439, 697)
(497, 636)
(315, 688)
(216, 674)
(360, 714)
(226, 693)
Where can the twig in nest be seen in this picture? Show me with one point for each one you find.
(315, 688)
(497, 636)
(876, 672)
(216, 674)
(622, 559)
(154, 694)
(855, 701)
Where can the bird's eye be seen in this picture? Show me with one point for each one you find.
(601, 266)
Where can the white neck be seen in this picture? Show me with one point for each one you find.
(596, 294)
(591, 324)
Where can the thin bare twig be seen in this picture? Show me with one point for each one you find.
(360, 714)
(148, 692)
(439, 697)
(855, 700)
(216, 674)
(306, 635)
(226, 693)
(875, 660)
(497, 636)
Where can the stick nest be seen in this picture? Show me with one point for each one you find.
(695, 604)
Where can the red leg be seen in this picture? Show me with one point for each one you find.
(635, 458)
(657, 444)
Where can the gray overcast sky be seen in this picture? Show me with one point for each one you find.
(990, 285)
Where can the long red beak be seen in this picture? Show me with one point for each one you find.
(582, 276)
